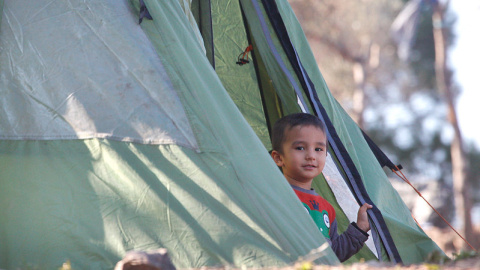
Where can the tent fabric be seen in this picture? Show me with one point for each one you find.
(114, 97)
(93, 199)
(109, 199)
(241, 82)
(202, 12)
(119, 136)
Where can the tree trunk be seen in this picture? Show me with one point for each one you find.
(460, 164)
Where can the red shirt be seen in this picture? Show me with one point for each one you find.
(321, 211)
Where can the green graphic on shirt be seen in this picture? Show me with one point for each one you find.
(321, 219)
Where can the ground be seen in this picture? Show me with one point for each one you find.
(446, 239)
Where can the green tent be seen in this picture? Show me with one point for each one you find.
(117, 135)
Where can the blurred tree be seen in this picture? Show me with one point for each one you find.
(353, 52)
(460, 164)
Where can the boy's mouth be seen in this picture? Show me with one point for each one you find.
(309, 166)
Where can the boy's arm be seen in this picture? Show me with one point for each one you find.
(348, 243)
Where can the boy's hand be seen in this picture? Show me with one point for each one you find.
(362, 217)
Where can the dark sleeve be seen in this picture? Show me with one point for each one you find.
(349, 242)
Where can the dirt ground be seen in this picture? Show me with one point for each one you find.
(467, 264)
(446, 239)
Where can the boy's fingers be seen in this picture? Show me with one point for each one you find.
(366, 206)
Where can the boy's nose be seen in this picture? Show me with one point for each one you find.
(310, 155)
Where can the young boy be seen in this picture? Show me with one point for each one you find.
(299, 144)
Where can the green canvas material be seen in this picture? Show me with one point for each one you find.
(99, 199)
(241, 82)
(91, 200)
(117, 136)
(96, 75)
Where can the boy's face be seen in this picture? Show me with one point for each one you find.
(304, 155)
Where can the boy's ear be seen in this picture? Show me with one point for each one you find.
(277, 157)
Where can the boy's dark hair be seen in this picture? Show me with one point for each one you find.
(290, 121)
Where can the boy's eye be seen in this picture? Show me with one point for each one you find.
(318, 149)
(299, 148)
